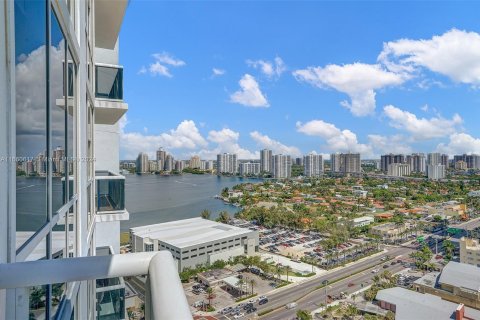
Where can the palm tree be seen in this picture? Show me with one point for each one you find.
(278, 270)
(210, 295)
(252, 284)
(239, 285)
(287, 269)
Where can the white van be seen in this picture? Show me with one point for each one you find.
(291, 305)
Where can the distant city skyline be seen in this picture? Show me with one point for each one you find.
(380, 83)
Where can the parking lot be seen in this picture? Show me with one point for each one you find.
(225, 296)
(306, 246)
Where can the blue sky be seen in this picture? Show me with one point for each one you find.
(225, 76)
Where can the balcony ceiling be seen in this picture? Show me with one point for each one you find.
(108, 20)
(108, 111)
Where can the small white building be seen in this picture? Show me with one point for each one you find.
(195, 241)
(362, 221)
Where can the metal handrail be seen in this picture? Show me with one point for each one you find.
(165, 298)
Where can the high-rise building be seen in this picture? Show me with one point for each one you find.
(299, 161)
(387, 159)
(281, 166)
(313, 165)
(461, 165)
(161, 155)
(399, 169)
(473, 161)
(58, 159)
(350, 163)
(227, 163)
(266, 160)
(444, 160)
(335, 162)
(195, 162)
(434, 158)
(416, 162)
(435, 171)
(143, 165)
(61, 85)
(179, 165)
(249, 168)
(169, 163)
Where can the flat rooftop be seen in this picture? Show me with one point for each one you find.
(189, 232)
(414, 305)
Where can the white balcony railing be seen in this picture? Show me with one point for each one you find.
(165, 298)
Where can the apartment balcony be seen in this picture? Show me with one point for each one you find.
(108, 20)
(109, 105)
(164, 299)
(110, 196)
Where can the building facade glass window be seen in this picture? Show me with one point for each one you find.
(31, 117)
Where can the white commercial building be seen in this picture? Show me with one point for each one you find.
(362, 221)
(313, 165)
(435, 171)
(195, 241)
(281, 166)
(399, 169)
(249, 168)
(227, 163)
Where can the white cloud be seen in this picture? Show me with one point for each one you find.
(30, 99)
(358, 80)
(268, 68)
(249, 94)
(455, 54)
(277, 147)
(336, 139)
(421, 128)
(216, 72)
(167, 58)
(227, 141)
(185, 136)
(183, 141)
(163, 61)
(389, 144)
(460, 143)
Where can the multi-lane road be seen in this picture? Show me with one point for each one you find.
(308, 298)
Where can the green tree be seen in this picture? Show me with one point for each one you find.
(210, 295)
(252, 284)
(239, 285)
(205, 214)
(223, 217)
(225, 192)
(303, 315)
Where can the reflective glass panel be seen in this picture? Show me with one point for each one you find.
(58, 114)
(31, 117)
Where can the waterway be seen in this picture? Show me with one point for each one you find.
(154, 199)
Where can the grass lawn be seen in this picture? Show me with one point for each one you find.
(124, 238)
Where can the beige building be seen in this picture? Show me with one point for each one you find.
(461, 165)
(195, 162)
(389, 232)
(470, 251)
(458, 282)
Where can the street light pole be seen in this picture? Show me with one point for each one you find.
(325, 283)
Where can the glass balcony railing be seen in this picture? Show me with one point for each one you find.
(109, 82)
(110, 193)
